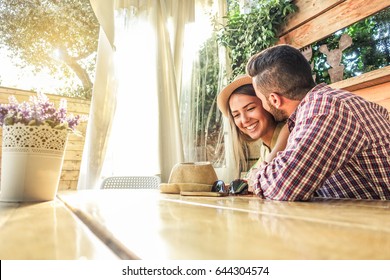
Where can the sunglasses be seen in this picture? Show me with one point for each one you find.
(238, 186)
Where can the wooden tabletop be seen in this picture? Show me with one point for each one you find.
(46, 231)
(146, 224)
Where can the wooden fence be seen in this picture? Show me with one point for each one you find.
(317, 19)
(75, 145)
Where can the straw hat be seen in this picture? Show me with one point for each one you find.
(190, 177)
(224, 95)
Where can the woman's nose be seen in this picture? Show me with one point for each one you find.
(244, 118)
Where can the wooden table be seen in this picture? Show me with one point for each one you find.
(146, 224)
(46, 231)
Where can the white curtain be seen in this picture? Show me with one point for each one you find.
(134, 125)
(100, 116)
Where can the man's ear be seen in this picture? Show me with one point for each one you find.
(275, 99)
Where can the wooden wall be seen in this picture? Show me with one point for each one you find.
(75, 145)
(316, 19)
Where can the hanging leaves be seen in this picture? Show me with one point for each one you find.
(245, 34)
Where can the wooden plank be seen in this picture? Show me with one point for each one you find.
(307, 10)
(4, 91)
(73, 184)
(64, 185)
(79, 141)
(71, 165)
(75, 147)
(379, 94)
(376, 93)
(67, 185)
(73, 155)
(365, 80)
(70, 175)
(343, 15)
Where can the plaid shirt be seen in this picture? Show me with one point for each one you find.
(339, 146)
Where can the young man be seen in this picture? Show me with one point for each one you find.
(339, 143)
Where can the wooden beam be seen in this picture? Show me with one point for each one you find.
(307, 10)
(343, 15)
(379, 94)
(365, 80)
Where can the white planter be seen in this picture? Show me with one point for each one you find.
(32, 158)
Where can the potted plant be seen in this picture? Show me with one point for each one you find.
(34, 140)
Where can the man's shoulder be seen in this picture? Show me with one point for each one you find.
(325, 91)
(321, 100)
(324, 99)
(325, 96)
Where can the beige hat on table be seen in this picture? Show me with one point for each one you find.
(224, 95)
(190, 177)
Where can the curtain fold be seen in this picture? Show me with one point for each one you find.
(130, 87)
(171, 146)
(100, 117)
(104, 11)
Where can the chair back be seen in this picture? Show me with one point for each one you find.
(131, 182)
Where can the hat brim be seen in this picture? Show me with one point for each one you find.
(184, 187)
(224, 95)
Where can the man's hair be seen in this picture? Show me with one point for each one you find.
(281, 69)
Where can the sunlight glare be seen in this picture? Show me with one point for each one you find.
(133, 147)
(24, 78)
(57, 53)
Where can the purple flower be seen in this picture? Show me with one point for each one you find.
(38, 111)
(3, 113)
(25, 113)
(73, 121)
(60, 115)
(13, 103)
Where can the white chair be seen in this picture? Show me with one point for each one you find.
(131, 182)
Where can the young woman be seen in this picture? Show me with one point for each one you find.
(249, 122)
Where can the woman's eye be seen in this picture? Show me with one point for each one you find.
(251, 108)
(236, 116)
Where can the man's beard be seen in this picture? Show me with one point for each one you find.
(279, 115)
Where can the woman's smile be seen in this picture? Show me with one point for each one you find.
(252, 127)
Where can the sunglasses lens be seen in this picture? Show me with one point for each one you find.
(218, 186)
(239, 186)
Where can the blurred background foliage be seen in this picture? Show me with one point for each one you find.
(252, 28)
(60, 37)
(370, 49)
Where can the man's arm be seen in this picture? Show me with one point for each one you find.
(317, 147)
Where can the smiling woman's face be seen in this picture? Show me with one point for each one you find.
(250, 116)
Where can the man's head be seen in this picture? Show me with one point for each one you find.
(281, 76)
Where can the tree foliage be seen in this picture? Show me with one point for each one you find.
(246, 33)
(60, 35)
(209, 121)
(370, 47)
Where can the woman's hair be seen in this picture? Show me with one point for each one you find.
(240, 139)
(281, 69)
